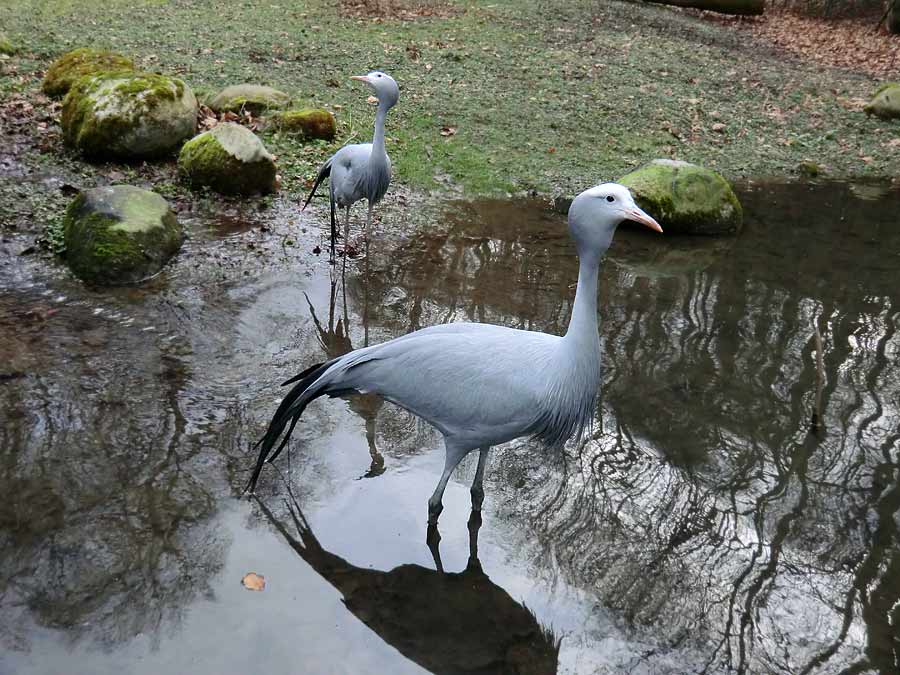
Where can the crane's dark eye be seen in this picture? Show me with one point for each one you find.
(610, 198)
(379, 75)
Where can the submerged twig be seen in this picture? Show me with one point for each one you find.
(815, 425)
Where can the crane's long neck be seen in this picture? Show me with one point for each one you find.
(583, 330)
(378, 151)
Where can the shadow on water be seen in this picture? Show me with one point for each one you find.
(446, 622)
(700, 528)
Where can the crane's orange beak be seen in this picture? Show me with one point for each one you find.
(361, 78)
(639, 216)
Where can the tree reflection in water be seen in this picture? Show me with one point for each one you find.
(702, 507)
(701, 510)
(104, 526)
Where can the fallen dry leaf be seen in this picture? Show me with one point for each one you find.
(254, 582)
(448, 131)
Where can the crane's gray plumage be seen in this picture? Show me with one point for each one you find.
(480, 384)
(363, 170)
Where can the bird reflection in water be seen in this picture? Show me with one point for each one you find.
(335, 341)
(457, 622)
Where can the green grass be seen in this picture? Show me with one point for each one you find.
(543, 96)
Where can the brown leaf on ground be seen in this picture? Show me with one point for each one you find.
(448, 131)
(254, 582)
(846, 42)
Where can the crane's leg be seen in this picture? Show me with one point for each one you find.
(369, 220)
(346, 230)
(333, 229)
(478, 484)
(454, 456)
(346, 238)
(474, 526)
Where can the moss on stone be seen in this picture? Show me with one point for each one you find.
(886, 102)
(252, 98)
(229, 159)
(685, 198)
(6, 47)
(70, 67)
(127, 114)
(809, 169)
(883, 86)
(119, 234)
(308, 123)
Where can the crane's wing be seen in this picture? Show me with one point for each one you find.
(348, 173)
(478, 383)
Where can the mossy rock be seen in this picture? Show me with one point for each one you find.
(6, 47)
(886, 102)
(252, 98)
(128, 115)
(308, 123)
(74, 65)
(119, 234)
(685, 198)
(229, 159)
(809, 169)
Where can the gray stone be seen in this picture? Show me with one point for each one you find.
(886, 102)
(128, 115)
(119, 234)
(252, 98)
(685, 198)
(73, 65)
(229, 159)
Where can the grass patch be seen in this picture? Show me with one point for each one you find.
(540, 97)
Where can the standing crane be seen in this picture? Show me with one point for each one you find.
(479, 384)
(362, 170)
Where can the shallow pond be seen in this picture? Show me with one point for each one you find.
(705, 526)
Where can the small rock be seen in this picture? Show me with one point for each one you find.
(119, 234)
(309, 123)
(230, 159)
(252, 98)
(809, 169)
(6, 47)
(128, 115)
(685, 198)
(69, 67)
(886, 102)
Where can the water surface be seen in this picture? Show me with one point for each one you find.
(705, 525)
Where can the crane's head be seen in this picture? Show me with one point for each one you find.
(596, 213)
(383, 86)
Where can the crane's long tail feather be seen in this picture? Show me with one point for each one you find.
(324, 173)
(290, 410)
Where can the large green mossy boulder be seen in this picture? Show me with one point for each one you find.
(886, 101)
(72, 66)
(308, 123)
(685, 198)
(252, 98)
(128, 115)
(6, 47)
(119, 234)
(229, 159)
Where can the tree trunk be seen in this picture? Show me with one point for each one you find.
(731, 6)
(893, 17)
